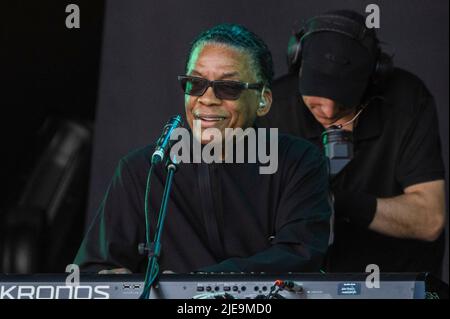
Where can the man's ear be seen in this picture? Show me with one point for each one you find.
(265, 102)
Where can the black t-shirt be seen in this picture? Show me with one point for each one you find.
(396, 145)
(221, 217)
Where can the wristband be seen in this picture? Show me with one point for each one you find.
(357, 207)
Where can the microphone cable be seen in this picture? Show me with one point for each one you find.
(148, 273)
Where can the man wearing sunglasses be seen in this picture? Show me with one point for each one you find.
(222, 217)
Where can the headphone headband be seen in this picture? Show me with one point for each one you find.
(336, 23)
(343, 25)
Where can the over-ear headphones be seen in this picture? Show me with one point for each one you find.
(343, 25)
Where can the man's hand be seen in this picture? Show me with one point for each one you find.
(116, 271)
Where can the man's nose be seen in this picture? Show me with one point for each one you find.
(328, 110)
(209, 98)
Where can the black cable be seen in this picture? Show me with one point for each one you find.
(144, 294)
(154, 248)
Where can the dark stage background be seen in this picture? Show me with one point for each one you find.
(48, 101)
(143, 46)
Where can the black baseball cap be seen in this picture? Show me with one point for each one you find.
(335, 66)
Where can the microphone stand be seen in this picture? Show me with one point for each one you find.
(155, 247)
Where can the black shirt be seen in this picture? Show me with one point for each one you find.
(396, 145)
(221, 217)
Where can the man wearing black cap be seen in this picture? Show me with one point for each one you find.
(389, 198)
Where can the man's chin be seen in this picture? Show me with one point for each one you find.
(205, 139)
(210, 141)
(326, 122)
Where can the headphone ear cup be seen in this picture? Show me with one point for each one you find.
(294, 52)
(383, 68)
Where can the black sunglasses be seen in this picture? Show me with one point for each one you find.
(224, 90)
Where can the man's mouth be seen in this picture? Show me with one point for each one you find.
(209, 118)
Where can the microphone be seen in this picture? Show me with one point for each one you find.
(338, 147)
(163, 142)
(338, 143)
